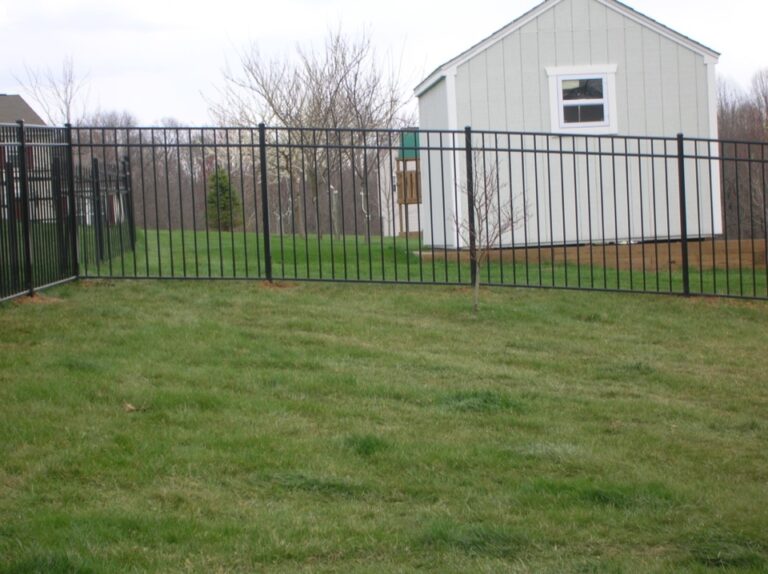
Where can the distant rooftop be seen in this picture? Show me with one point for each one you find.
(14, 108)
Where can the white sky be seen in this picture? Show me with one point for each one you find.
(159, 58)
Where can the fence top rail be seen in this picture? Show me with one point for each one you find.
(349, 129)
(29, 126)
(725, 141)
(594, 151)
(342, 130)
(385, 139)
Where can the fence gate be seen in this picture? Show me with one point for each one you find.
(37, 243)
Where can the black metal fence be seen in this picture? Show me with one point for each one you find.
(59, 216)
(104, 212)
(37, 241)
(639, 214)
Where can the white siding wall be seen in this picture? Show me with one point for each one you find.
(661, 90)
(661, 85)
(438, 210)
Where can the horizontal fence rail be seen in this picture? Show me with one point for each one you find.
(638, 214)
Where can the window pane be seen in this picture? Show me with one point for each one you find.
(592, 113)
(588, 89)
(584, 114)
(571, 114)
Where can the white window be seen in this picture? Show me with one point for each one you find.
(583, 99)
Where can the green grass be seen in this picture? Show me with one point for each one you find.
(161, 253)
(342, 428)
(50, 249)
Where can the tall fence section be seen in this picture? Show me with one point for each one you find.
(661, 215)
(37, 229)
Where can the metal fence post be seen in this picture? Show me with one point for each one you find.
(471, 205)
(58, 210)
(129, 203)
(26, 224)
(96, 190)
(265, 200)
(72, 201)
(683, 214)
(13, 232)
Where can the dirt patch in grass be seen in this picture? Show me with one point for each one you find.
(38, 299)
(278, 285)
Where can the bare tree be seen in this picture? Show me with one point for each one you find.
(341, 87)
(495, 215)
(61, 95)
(109, 119)
(743, 125)
(760, 98)
(738, 113)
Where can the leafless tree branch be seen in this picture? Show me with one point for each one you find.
(60, 95)
(495, 213)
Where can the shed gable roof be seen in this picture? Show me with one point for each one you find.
(14, 108)
(535, 12)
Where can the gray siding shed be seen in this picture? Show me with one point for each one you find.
(663, 80)
(663, 84)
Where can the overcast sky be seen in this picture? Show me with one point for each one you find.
(162, 58)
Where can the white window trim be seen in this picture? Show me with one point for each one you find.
(608, 75)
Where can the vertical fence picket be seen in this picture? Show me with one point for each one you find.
(128, 183)
(61, 231)
(15, 271)
(97, 213)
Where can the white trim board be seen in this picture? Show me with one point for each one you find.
(451, 65)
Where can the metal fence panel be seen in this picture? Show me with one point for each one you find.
(635, 214)
(35, 213)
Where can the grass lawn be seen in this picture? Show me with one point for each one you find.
(239, 427)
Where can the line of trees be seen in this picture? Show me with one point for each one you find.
(743, 114)
(312, 187)
(743, 117)
(341, 87)
(323, 182)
